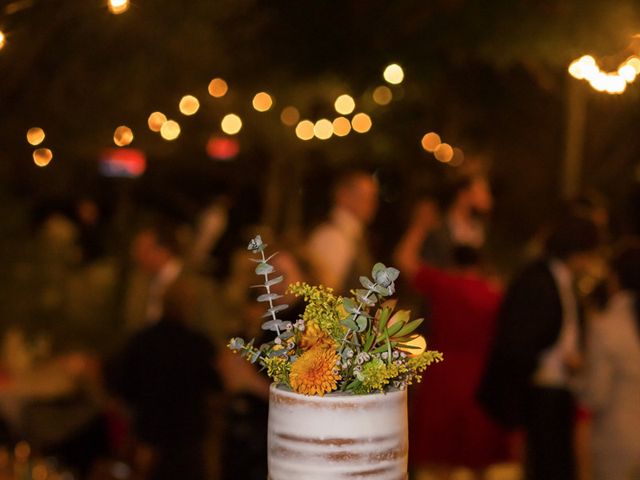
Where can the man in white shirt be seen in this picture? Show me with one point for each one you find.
(337, 249)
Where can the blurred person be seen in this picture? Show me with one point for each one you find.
(450, 429)
(164, 374)
(537, 351)
(461, 223)
(212, 224)
(611, 376)
(156, 252)
(337, 249)
(90, 230)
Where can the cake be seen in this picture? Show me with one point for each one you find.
(337, 436)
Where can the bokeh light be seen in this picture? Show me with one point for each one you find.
(170, 130)
(382, 95)
(290, 116)
(634, 62)
(344, 104)
(323, 129)
(262, 101)
(304, 130)
(393, 74)
(418, 344)
(3, 40)
(118, 6)
(22, 451)
(584, 67)
(156, 120)
(231, 124)
(627, 72)
(189, 105)
(431, 141)
(42, 157)
(123, 136)
(341, 126)
(218, 88)
(444, 153)
(35, 136)
(361, 122)
(458, 157)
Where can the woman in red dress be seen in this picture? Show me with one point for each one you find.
(448, 427)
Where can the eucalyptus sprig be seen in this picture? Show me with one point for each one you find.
(265, 269)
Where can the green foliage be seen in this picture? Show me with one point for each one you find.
(369, 342)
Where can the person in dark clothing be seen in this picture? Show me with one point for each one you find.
(165, 374)
(536, 351)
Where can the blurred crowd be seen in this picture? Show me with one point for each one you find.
(542, 363)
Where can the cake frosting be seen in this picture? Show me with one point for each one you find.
(337, 436)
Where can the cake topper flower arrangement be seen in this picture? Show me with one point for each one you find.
(357, 344)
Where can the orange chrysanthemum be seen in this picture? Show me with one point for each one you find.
(315, 372)
(313, 336)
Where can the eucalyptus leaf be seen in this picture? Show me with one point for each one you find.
(264, 269)
(378, 267)
(361, 322)
(274, 310)
(368, 300)
(349, 305)
(366, 283)
(274, 281)
(349, 323)
(384, 291)
(268, 297)
(275, 325)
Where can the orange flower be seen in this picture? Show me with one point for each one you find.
(313, 336)
(315, 372)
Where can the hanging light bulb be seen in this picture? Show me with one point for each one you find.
(118, 6)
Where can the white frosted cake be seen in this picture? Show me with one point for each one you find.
(337, 436)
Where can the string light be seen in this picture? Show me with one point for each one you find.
(42, 157)
(304, 130)
(156, 120)
(189, 105)
(118, 6)
(393, 74)
(431, 141)
(361, 123)
(415, 346)
(123, 136)
(290, 116)
(262, 101)
(382, 95)
(444, 153)
(231, 124)
(586, 68)
(344, 104)
(323, 129)
(218, 88)
(458, 157)
(341, 126)
(35, 136)
(170, 130)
